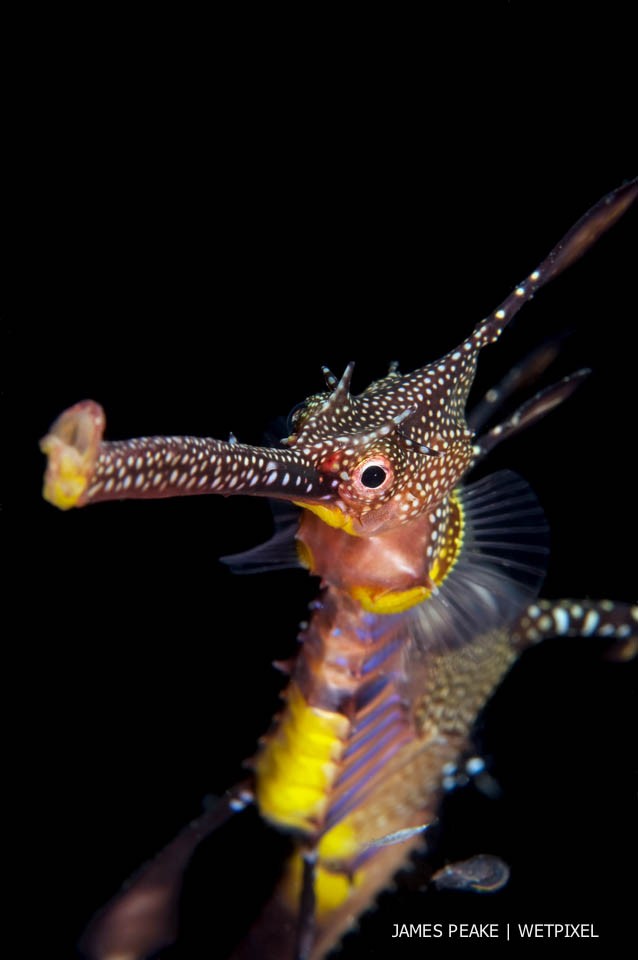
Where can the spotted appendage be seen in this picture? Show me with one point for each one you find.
(82, 468)
(580, 618)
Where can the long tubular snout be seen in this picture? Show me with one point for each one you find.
(82, 468)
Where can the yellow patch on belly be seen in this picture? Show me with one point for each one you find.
(389, 601)
(377, 600)
(332, 887)
(298, 764)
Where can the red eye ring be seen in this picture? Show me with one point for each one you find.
(372, 476)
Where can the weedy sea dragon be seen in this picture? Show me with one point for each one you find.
(429, 594)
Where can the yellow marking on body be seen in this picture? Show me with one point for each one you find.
(339, 843)
(437, 574)
(298, 764)
(66, 479)
(304, 553)
(389, 601)
(396, 601)
(451, 543)
(332, 887)
(333, 516)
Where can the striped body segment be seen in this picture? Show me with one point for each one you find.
(389, 757)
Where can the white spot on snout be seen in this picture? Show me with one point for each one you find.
(590, 623)
(561, 619)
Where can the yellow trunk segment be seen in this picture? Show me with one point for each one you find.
(298, 764)
(332, 888)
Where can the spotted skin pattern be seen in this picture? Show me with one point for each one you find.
(585, 618)
(430, 593)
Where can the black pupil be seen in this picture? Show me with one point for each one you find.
(373, 477)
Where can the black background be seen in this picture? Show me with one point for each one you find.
(208, 223)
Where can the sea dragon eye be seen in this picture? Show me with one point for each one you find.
(373, 476)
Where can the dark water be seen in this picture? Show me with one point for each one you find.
(190, 304)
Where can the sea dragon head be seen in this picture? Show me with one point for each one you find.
(394, 450)
(364, 463)
(360, 462)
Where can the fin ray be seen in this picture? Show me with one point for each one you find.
(277, 553)
(500, 569)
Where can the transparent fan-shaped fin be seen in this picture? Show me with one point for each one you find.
(277, 553)
(500, 569)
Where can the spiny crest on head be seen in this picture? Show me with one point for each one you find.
(404, 439)
(344, 418)
(412, 426)
(424, 409)
(416, 423)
